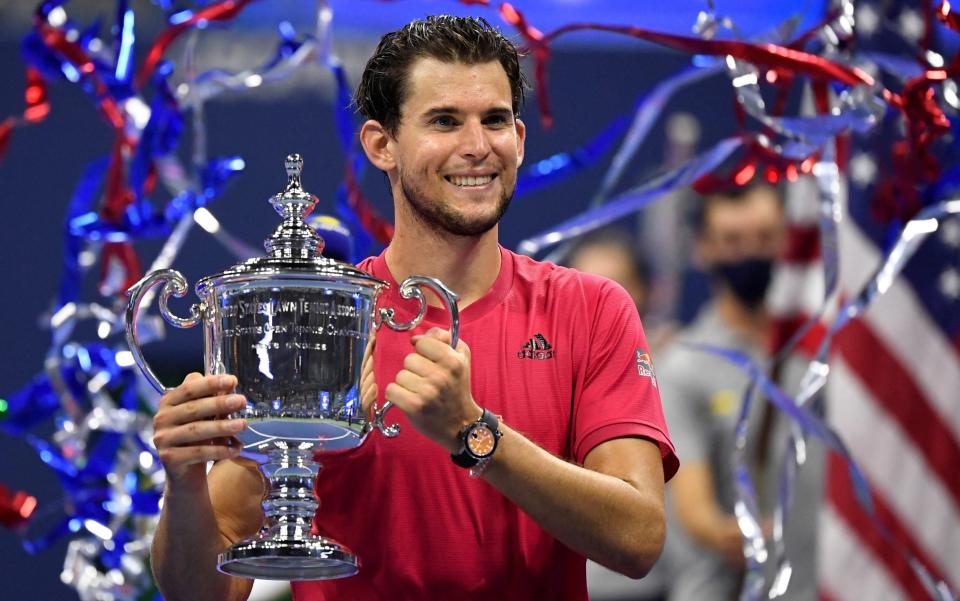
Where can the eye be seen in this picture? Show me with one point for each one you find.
(498, 120)
(444, 121)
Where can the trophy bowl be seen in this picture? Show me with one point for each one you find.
(292, 327)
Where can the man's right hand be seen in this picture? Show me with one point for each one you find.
(188, 429)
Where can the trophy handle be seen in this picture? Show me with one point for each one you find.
(174, 284)
(410, 288)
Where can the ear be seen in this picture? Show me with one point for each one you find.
(376, 142)
(521, 138)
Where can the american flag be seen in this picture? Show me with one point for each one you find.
(894, 390)
(893, 397)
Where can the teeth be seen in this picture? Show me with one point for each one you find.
(470, 181)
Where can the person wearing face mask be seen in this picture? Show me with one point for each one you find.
(738, 235)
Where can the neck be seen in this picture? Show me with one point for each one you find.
(468, 265)
(753, 324)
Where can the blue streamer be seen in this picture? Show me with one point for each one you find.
(646, 112)
(563, 164)
(356, 160)
(813, 425)
(142, 221)
(36, 544)
(909, 239)
(83, 197)
(32, 404)
(52, 456)
(123, 69)
(634, 200)
(36, 54)
(161, 134)
(55, 67)
(342, 113)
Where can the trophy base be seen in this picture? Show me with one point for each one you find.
(312, 558)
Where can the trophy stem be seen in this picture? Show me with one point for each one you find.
(284, 549)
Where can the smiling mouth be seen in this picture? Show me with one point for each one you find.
(469, 182)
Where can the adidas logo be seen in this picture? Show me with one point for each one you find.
(536, 348)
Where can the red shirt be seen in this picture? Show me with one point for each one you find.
(561, 356)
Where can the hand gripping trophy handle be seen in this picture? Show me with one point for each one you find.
(175, 285)
(410, 288)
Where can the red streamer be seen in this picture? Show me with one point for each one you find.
(379, 228)
(541, 57)
(38, 107)
(122, 255)
(224, 11)
(15, 508)
(948, 16)
(926, 121)
(118, 197)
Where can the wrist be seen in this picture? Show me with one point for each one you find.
(454, 442)
(191, 484)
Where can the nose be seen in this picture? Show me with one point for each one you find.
(474, 143)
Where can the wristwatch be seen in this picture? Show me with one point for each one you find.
(479, 440)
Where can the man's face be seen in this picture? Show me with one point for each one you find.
(753, 227)
(458, 146)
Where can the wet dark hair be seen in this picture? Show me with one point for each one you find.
(468, 40)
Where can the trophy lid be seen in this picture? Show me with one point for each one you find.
(294, 250)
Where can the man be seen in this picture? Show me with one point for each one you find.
(550, 355)
(739, 233)
(612, 253)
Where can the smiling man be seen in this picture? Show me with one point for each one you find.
(536, 442)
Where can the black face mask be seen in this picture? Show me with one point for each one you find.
(748, 278)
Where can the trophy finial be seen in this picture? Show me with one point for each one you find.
(294, 238)
(293, 194)
(294, 167)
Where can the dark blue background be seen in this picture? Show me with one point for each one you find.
(592, 80)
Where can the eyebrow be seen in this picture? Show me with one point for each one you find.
(450, 110)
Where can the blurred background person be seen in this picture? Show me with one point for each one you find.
(739, 234)
(614, 254)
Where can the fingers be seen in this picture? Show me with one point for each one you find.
(407, 401)
(435, 344)
(419, 365)
(413, 383)
(368, 390)
(197, 410)
(368, 396)
(368, 383)
(368, 351)
(215, 432)
(435, 368)
(195, 386)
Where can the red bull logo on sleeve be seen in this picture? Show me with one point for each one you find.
(645, 366)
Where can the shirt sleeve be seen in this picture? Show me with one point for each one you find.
(617, 393)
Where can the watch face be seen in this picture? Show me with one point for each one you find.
(480, 441)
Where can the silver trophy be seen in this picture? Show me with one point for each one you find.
(292, 327)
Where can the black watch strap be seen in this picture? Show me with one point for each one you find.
(464, 458)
